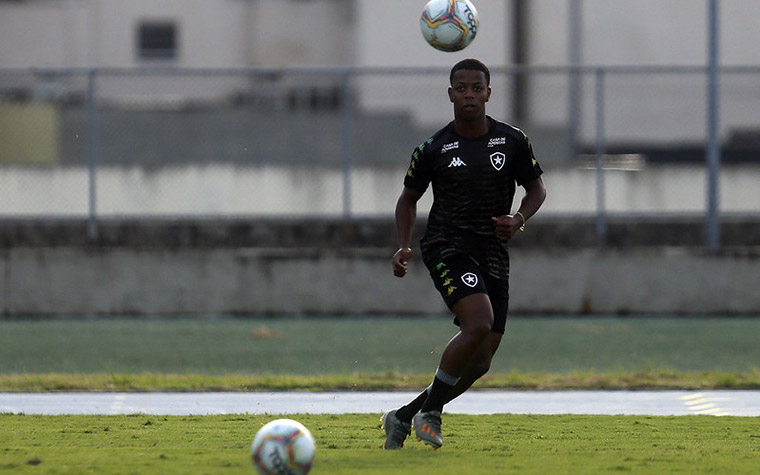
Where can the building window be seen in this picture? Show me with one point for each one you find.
(156, 40)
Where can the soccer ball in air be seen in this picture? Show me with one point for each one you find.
(283, 447)
(449, 25)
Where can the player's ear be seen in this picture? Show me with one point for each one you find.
(488, 96)
(451, 94)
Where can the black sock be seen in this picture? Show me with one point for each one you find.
(405, 413)
(439, 391)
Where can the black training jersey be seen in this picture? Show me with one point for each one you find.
(474, 179)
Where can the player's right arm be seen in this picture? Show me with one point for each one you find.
(406, 215)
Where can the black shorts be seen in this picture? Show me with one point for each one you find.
(457, 276)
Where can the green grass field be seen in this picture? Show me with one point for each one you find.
(351, 444)
(371, 353)
(237, 354)
(360, 345)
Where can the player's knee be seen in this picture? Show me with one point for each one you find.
(479, 329)
(481, 366)
(475, 316)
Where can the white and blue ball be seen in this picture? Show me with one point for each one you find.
(449, 25)
(283, 447)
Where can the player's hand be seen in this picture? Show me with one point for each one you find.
(400, 260)
(507, 226)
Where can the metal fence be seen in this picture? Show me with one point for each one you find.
(336, 141)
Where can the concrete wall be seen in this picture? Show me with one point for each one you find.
(194, 281)
(658, 280)
(301, 189)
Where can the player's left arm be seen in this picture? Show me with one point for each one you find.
(508, 225)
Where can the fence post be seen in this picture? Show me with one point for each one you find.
(575, 60)
(92, 154)
(601, 217)
(713, 139)
(346, 141)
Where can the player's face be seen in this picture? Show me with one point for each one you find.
(469, 94)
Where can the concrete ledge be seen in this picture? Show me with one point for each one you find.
(654, 280)
(544, 232)
(190, 281)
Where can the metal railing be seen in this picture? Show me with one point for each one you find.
(338, 134)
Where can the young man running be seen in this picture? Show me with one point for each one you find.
(474, 165)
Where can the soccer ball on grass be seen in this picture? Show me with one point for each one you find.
(283, 447)
(449, 25)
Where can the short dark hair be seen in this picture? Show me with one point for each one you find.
(472, 64)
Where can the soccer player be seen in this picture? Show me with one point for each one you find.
(474, 164)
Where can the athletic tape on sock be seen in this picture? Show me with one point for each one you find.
(446, 378)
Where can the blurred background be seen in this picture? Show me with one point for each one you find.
(245, 156)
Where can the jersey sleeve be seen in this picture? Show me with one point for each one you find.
(527, 168)
(418, 175)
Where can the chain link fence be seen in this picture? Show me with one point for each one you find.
(336, 141)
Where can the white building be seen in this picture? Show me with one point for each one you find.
(234, 33)
(385, 33)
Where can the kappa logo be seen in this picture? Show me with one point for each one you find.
(496, 141)
(470, 279)
(449, 146)
(457, 162)
(498, 159)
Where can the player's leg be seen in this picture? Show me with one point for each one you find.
(397, 422)
(475, 319)
(457, 279)
(480, 363)
(478, 366)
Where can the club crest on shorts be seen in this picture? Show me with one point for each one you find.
(470, 279)
(498, 159)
